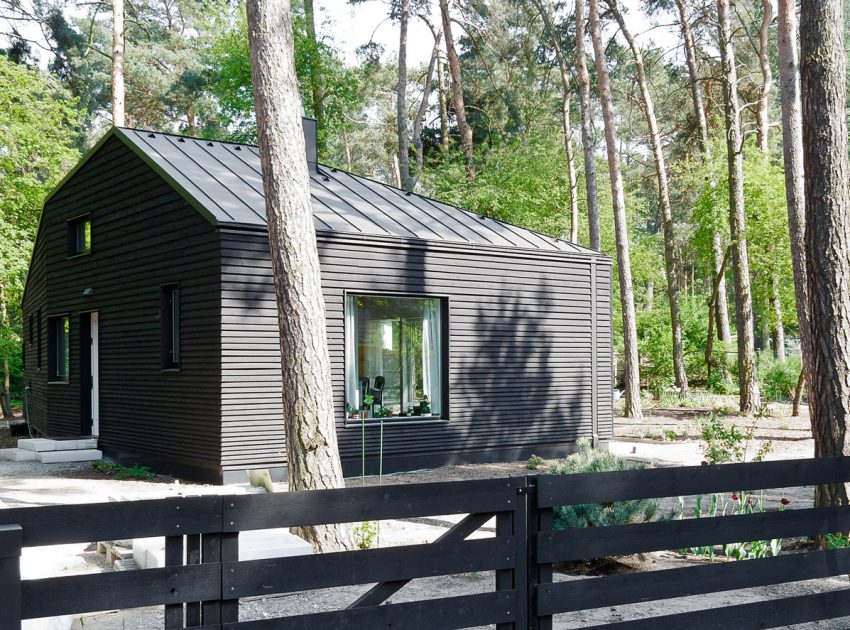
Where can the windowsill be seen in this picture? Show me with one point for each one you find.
(79, 255)
(65, 382)
(351, 423)
(170, 370)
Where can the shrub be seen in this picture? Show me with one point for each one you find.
(534, 462)
(588, 459)
(778, 379)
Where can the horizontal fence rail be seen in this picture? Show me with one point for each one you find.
(204, 580)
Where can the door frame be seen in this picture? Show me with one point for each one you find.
(89, 373)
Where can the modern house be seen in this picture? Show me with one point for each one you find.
(151, 322)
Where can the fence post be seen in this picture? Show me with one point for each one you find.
(513, 523)
(11, 541)
(539, 520)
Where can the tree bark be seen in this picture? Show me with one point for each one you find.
(401, 97)
(777, 331)
(632, 407)
(747, 381)
(825, 163)
(5, 402)
(316, 87)
(671, 258)
(457, 91)
(583, 79)
(118, 118)
(712, 303)
(721, 310)
(792, 147)
(308, 413)
(565, 117)
(444, 105)
(423, 108)
(798, 394)
(762, 121)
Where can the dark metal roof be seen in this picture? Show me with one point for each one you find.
(223, 181)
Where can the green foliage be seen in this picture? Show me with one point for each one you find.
(586, 460)
(778, 379)
(136, 471)
(534, 462)
(365, 534)
(837, 541)
(728, 445)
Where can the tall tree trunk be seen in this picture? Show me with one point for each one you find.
(671, 258)
(632, 370)
(721, 310)
(777, 331)
(583, 79)
(308, 412)
(792, 147)
(401, 97)
(762, 121)
(747, 381)
(118, 118)
(565, 117)
(423, 108)
(825, 163)
(457, 90)
(650, 295)
(317, 89)
(5, 402)
(444, 105)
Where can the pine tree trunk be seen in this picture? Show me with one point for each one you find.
(792, 146)
(721, 310)
(423, 108)
(401, 97)
(308, 413)
(5, 402)
(747, 381)
(650, 296)
(565, 118)
(798, 394)
(457, 91)
(632, 408)
(777, 331)
(316, 86)
(671, 258)
(762, 121)
(118, 118)
(444, 105)
(583, 79)
(825, 163)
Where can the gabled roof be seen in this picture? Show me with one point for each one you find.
(223, 181)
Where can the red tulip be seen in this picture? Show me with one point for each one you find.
(784, 501)
(734, 497)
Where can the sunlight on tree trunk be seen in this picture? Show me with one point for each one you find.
(118, 63)
(308, 413)
(457, 91)
(583, 79)
(401, 98)
(632, 407)
(316, 87)
(747, 378)
(827, 200)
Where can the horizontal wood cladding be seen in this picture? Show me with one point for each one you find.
(35, 337)
(520, 348)
(144, 235)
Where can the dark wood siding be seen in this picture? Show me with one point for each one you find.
(520, 349)
(144, 235)
(35, 366)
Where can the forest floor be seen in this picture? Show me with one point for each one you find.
(666, 435)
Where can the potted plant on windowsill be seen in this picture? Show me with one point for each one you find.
(368, 401)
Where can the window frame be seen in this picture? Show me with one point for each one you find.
(53, 376)
(445, 333)
(71, 226)
(170, 327)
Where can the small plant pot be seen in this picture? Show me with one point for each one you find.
(364, 413)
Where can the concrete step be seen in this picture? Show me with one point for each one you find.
(17, 454)
(57, 457)
(43, 445)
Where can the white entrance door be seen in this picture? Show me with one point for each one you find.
(95, 377)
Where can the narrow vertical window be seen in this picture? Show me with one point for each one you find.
(38, 339)
(59, 348)
(79, 236)
(170, 327)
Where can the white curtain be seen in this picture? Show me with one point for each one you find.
(431, 376)
(373, 363)
(351, 376)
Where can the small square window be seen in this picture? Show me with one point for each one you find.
(170, 310)
(79, 236)
(58, 348)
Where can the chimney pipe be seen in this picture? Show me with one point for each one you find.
(311, 141)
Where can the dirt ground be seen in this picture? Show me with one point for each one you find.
(650, 441)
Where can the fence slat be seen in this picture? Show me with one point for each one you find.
(49, 597)
(354, 505)
(772, 613)
(299, 573)
(11, 537)
(445, 613)
(193, 556)
(621, 540)
(211, 554)
(616, 590)
(62, 524)
(229, 553)
(602, 487)
(173, 557)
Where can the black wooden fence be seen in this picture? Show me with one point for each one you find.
(203, 581)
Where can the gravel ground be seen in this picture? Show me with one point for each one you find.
(26, 483)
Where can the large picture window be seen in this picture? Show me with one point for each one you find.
(58, 348)
(394, 357)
